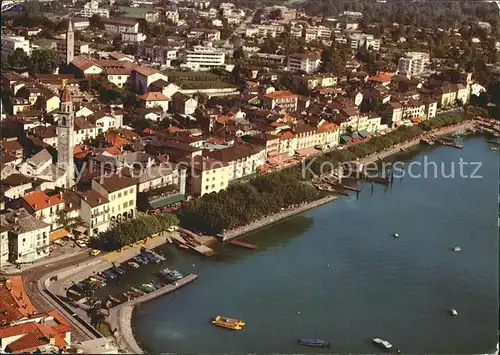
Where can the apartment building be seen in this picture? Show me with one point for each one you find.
(92, 8)
(206, 175)
(28, 236)
(306, 62)
(284, 99)
(358, 40)
(310, 82)
(94, 211)
(118, 26)
(4, 246)
(413, 64)
(271, 142)
(241, 159)
(203, 58)
(208, 34)
(154, 99)
(44, 207)
(319, 33)
(121, 193)
(271, 30)
(11, 43)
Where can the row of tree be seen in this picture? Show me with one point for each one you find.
(41, 61)
(243, 203)
(139, 228)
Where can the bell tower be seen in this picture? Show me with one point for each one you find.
(65, 140)
(70, 43)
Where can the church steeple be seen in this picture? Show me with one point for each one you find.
(70, 43)
(65, 139)
(66, 104)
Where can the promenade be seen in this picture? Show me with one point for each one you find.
(120, 317)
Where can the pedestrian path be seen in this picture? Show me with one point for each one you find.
(131, 250)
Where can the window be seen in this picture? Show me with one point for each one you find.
(131, 190)
(206, 187)
(125, 204)
(119, 194)
(131, 203)
(213, 179)
(213, 186)
(126, 192)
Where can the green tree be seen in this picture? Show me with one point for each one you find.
(43, 61)
(96, 22)
(239, 53)
(18, 60)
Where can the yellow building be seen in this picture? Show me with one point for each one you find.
(206, 175)
(121, 193)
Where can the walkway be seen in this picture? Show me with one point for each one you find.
(120, 317)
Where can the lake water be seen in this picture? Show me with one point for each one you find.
(337, 273)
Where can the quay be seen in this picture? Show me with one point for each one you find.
(120, 317)
(192, 244)
(243, 244)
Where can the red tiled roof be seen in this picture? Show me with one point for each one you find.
(38, 200)
(153, 96)
(381, 78)
(281, 95)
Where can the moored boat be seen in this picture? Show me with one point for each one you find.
(382, 343)
(114, 299)
(228, 323)
(133, 264)
(136, 290)
(75, 293)
(119, 270)
(315, 342)
(171, 275)
(140, 260)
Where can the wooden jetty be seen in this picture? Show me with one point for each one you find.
(449, 144)
(243, 244)
(347, 187)
(202, 249)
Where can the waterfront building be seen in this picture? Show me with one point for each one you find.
(206, 175)
(241, 159)
(45, 207)
(94, 211)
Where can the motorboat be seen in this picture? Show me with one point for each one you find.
(119, 270)
(457, 248)
(110, 274)
(148, 287)
(395, 235)
(453, 312)
(155, 285)
(133, 264)
(382, 343)
(136, 290)
(315, 342)
(140, 260)
(171, 275)
(229, 323)
(75, 293)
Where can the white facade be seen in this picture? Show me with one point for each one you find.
(264, 30)
(308, 64)
(413, 63)
(203, 58)
(92, 8)
(133, 37)
(318, 33)
(11, 43)
(359, 40)
(117, 26)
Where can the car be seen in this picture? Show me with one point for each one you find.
(81, 243)
(95, 252)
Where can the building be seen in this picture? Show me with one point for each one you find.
(306, 62)
(263, 30)
(4, 246)
(320, 33)
(413, 64)
(118, 26)
(208, 34)
(121, 193)
(65, 134)
(154, 99)
(80, 23)
(28, 236)
(184, 104)
(44, 207)
(203, 58)
(206, 175)
(310, 82)
(92, 8)
(359, 40)
(70, 43)
(94, 211)
(241, 160)
(11, 43)
(284, 99)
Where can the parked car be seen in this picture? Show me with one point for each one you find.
(81, 243)
(95, 252)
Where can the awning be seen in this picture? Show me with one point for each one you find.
(346, 139)
(280, 159)
(415, 119)
(364, 133)
(58, 234)
(355, 135)
(159, 203)
(305, 152)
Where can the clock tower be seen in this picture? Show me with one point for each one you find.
(65, 140)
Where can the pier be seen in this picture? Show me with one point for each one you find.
(192, 244)
(243, 244)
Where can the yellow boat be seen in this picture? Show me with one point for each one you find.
(229, 323)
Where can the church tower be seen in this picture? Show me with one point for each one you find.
(70, 43)
(65, 143)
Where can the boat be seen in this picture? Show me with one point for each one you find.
(148, 287)
(119, 270)
(73, 292)
(99, 278)
(183, 246)
(382, 343)
(114, 299)
(136, 290)
(110, 274)
(453, 312)
(150, 258)
(140, 260)
(315, 342)
(395, 235)
(457, 248)
(155, 285)
(230, 323)
(79, 286)
(133, 264)
(171, 275)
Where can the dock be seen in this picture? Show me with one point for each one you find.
(243, 244)
(350, 188)
(448, 143)
(202, 249)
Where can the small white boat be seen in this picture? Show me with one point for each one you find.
(382, 343)
(453, 312)
(395, 235)
(457, 248)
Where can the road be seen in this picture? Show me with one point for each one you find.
(31, 276)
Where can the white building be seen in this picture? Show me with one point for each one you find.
(264, 30)
(413, 63)
(133, 37)
(359, 40)
(203, 58)
(92, 8)
(306, 62)
(318, 33)
(11, 43)
(117, 26)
